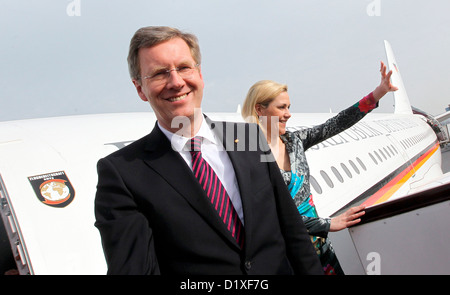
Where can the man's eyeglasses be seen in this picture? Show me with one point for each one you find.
(163, 75)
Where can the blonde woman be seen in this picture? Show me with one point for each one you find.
(267, 103)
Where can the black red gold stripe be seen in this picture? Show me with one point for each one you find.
(385, 188)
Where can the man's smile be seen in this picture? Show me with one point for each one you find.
(177, 98)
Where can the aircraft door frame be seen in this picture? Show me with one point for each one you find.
(402, 151)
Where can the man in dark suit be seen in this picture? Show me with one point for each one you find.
(154, 214)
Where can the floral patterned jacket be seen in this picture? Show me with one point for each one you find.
(298, 142)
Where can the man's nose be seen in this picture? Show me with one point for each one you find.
(174, 80)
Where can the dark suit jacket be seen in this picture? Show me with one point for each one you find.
(154, 217)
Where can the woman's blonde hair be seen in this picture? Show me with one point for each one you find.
(263, 93)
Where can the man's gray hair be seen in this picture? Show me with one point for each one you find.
(150, 36)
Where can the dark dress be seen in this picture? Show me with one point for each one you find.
(297, 179)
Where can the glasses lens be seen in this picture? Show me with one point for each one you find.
(163, 76)
(185, 72)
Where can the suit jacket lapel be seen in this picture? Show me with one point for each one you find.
(170, 165)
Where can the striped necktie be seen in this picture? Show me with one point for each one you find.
(216, 192)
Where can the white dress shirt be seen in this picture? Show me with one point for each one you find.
(214, 153)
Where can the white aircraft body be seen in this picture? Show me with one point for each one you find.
(48, 174)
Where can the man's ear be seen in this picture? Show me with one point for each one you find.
(138, 86)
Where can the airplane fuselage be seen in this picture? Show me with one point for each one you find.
(48, 174)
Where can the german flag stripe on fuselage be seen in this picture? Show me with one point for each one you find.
(385, 188)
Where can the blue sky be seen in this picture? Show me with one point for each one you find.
(55, 63)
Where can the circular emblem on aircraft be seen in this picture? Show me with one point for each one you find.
(53, 189)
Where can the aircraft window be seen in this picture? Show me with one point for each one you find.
(337, 174)
(361, 163)
(326, 178)
(389, 148)
(373, 158)
(381, 152)
(395, 150)
(354, 166)
(386, 152)
(378, 156)
(349, 174)
(315, 184)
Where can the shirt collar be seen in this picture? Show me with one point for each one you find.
(179, 142)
